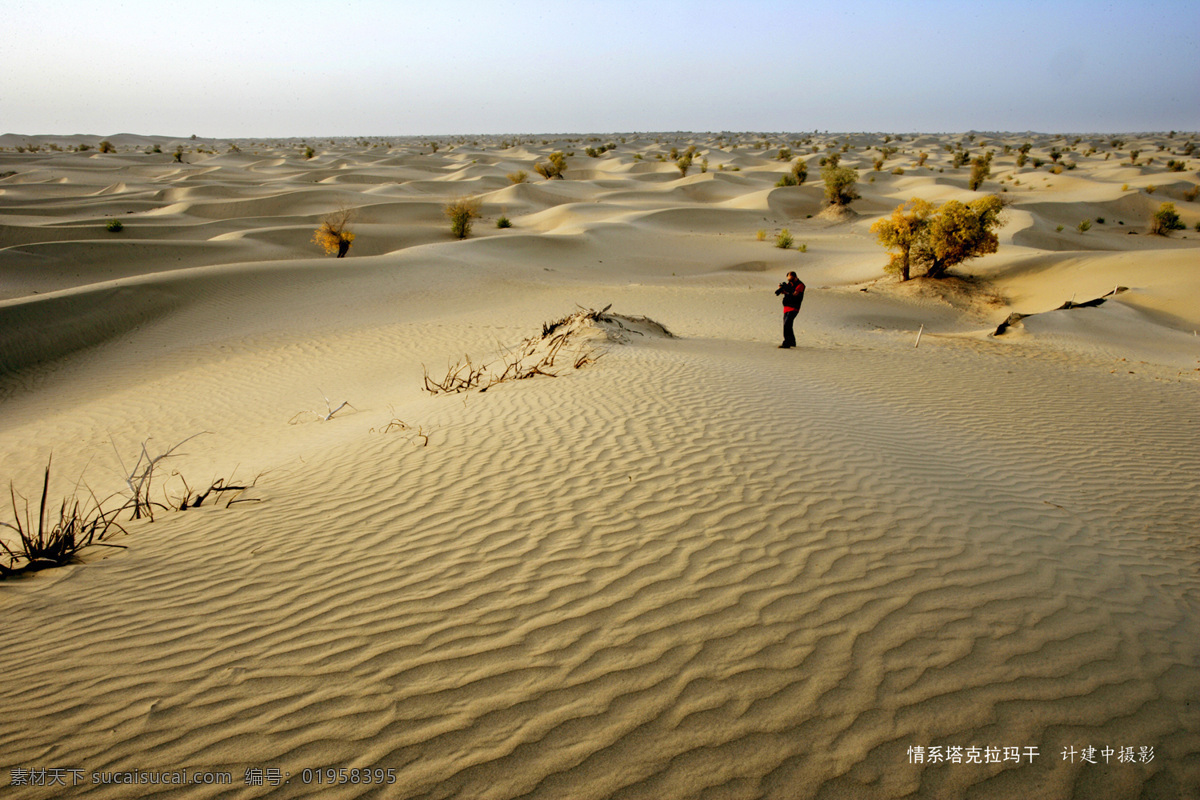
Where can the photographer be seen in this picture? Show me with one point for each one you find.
(793, 295)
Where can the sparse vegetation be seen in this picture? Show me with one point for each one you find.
(461, 213)
(334, 234)
(554, 167)
(520, 176)
(503, 222)
(1165, 220)
(839, 185)
(1084, 225)
(106, 146)
(784, 239)
(114, 226)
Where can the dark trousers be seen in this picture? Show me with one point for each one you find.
(789, 335)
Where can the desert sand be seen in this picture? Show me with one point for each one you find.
(696, 566)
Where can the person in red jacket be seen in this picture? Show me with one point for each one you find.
(793, 295)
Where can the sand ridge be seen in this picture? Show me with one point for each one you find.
(697, 567)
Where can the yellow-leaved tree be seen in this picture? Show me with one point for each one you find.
(938, 239)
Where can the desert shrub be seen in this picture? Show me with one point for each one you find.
(1133, 156)
(839, 185)
(114, 226)
(684, 163)
(921, 158)
(309, 152)
(760, 234)
(1037, 163)
(787, 179)
(800, 171)
(1059, 229)
(1165, 220)
(1084, 225)
(503, 222)
(554, 167)
(1197, 227)
(1151, 188)
(106, 146)
(802, 247)
(961, 157)
(178, 154)
(1176, 166)
(334, 234)
(877, 164)
(704, 165)
(518, 177)
(898, 171)
(461, 213)
(784, 240)
(1191, 194)
(1022, 159)
(785, 154)
(938, 239)
(1055, 155)
(1056, 170)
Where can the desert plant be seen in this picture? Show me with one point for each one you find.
(1165, 220)
(461, 212)
(898, 171)
(1151, 188)
(1022, 159)
(554, 167)
(684, 163)
(334, 234)
(44, 544)
(503, 222)
(518, 177)
(961, 157)
(901, 232)
(839, 185)
(114, 226)
(704, 165)
(784, 239)
(1133, 156)
(877, 164)
(800, 171)
(1084, 225)
(1191, 194)
(106, 146)
(760, 234)
(785, 154)
(178, 154)
(921, 158)
(981, 170)
(309, 152)
(787, 179)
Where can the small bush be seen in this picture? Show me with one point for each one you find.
(784, 240)
(518, 177)
(1056, 170)
(1059, 229)
(503, 222)
(839, 185)
(786, 180)
(760, 234)
(785, 154)
(921, 158)
(461, 213)
(898, 171)
(1191, 194)
(1165, 220)
(334, 234)
(114, 226)
(1084, 225)
(802, 247)
(107, 147)
(309, 152)
(554, 167)
(877, 164)
(1151, 189)
(800, 171)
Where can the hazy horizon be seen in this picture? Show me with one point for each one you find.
(374, 68)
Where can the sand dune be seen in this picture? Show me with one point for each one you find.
(694, 566)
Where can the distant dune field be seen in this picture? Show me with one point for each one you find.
(912, 557)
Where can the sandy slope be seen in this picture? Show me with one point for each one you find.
(697, 567)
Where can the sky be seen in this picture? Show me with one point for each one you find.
(284, 68)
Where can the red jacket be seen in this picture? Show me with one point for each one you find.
(793, 299)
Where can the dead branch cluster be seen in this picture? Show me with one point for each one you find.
(414, 434)
(328, 415)
(546, 355)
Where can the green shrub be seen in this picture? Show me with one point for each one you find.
(114, 226)
(554, 167)
(1084, 225)
(518, 177)
(503, 222)
(107, 147)
(784, 240)
(787, 179)
(898, 171)
(461, 212)
(800, 171)
(760, 234)
(1191, 194)
(839, 185)
(1165, 220)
